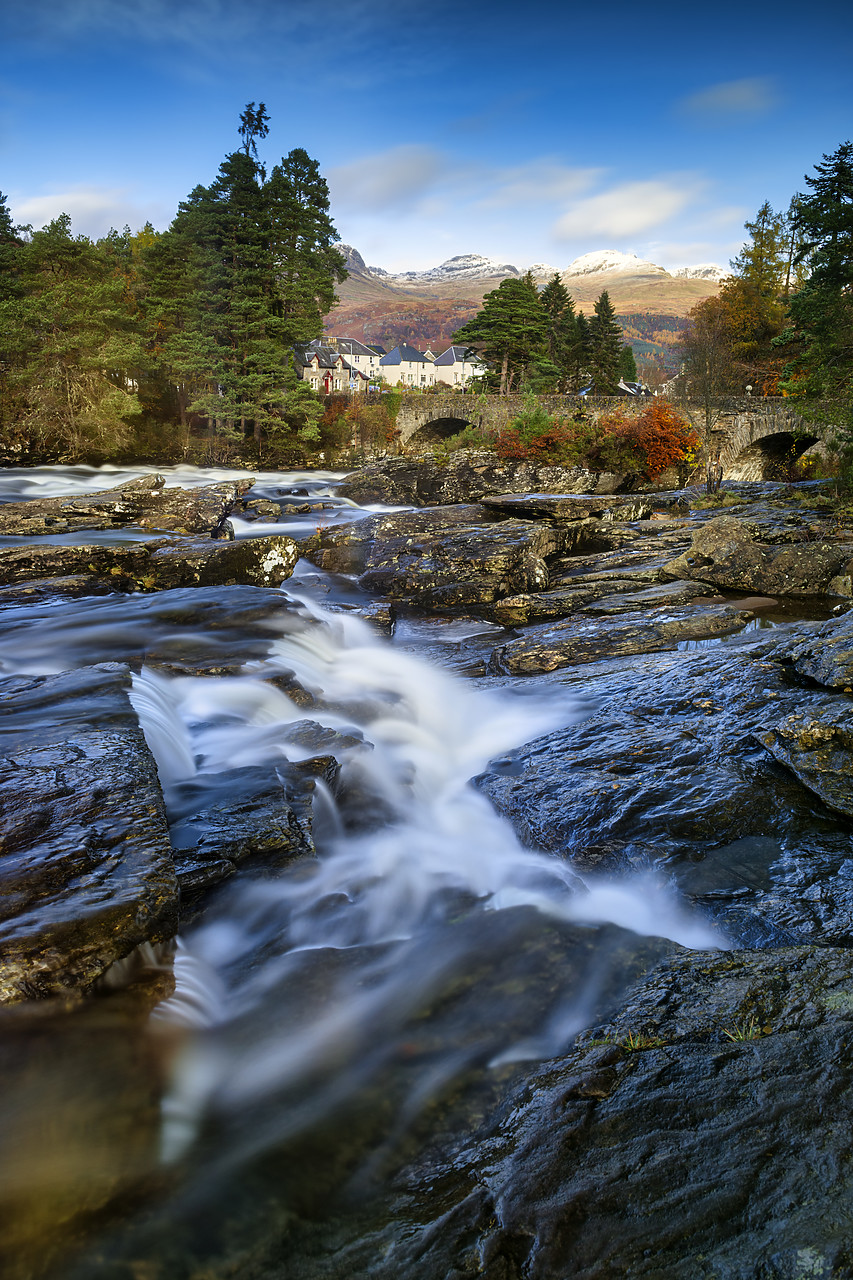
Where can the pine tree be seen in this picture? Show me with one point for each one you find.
(72, 347)
(627, 365)
(302, 243)
(821, 312)
(605, 347)
(511, 331)
(565, 342)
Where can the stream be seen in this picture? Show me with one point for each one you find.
(328, 1018)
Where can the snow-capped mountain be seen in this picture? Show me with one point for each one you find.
(465, 266)
(599, 260)
(703, 271)
(542, 271)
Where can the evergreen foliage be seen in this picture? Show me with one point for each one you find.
(511, 333)
(604, 347)
(195, 324)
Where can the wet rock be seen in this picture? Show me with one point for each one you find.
(641, 1175)
(345, 548)
(817, 745)
(540, 506)
(145, 502)
(86, 872)
(258, 814)
(725, 554)
(670, 770)
(826, 654)
(467, 475)
(261, 509)
(155, 566)
(261, 562)
(464, 567)
(580, 640)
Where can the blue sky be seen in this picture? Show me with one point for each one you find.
(526, 132)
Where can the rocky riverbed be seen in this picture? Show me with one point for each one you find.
(634, 1062)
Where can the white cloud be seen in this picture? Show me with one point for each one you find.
(93, 210)
(625, 210)
(753, 96)
(541, 181)
(399, 178)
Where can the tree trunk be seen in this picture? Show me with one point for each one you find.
(504, 368)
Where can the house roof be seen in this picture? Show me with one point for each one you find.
(326, 357)
(350, 347)
(405, 352)
(456, 354)
(375, 347)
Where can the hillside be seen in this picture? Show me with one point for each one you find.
(426, 307)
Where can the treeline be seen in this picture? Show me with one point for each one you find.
(783, 321)
(537, 342)
(138, 340)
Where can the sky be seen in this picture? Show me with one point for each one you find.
(527, 132)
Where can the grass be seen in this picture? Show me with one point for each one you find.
(747, 1029)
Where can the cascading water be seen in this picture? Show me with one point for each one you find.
(421, 942)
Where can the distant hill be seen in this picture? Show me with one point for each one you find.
(426, 307)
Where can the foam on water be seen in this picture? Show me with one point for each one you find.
(378, 895)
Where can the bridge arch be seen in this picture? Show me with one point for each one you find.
(437, 429)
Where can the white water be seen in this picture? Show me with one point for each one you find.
(382, 893)
(303, 987)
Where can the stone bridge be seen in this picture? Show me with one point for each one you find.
(757, 436)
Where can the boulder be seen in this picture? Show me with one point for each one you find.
(86, 868)
(465, 476)
(145, 502)
(155, 566)
(541, 506)
(576, 640)
(461, 568)
(724, 552)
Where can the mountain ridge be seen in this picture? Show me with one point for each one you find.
(425, 308)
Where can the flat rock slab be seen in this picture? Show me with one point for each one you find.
(257, 813)
(673, 768)
(145, 502)
(725, 553)
(156, 566)
(826, 653)
(539, 506)
(466, 476)
(694, 1156)
(578, 640)
(86, 872)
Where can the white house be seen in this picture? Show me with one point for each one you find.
(405, 364)
(457, 367)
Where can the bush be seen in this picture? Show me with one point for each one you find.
(646, 443)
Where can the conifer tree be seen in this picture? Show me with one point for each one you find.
(821, 312)
(604, 346)
(565, 342)
(510, 332)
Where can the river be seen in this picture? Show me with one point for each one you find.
(325, 1018)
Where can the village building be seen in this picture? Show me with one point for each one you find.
(457, 366)
(358, 355)
(407, 365)
(326, 370)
